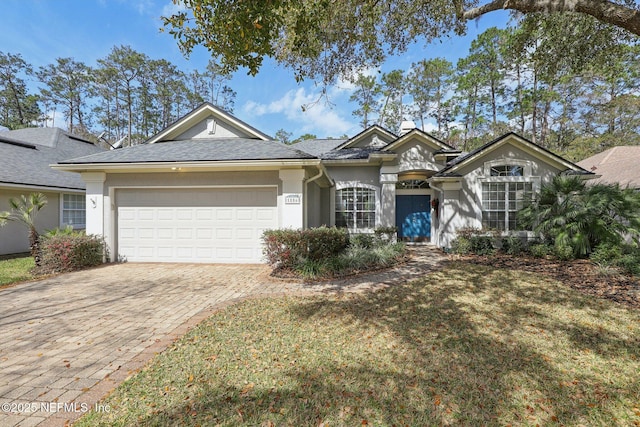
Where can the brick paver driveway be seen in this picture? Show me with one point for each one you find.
(67, 340)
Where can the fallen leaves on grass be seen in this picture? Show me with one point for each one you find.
(468, 345)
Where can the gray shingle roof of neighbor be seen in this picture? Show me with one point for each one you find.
(196, 150)
(25, 156)
(616, 165)
(316, 147)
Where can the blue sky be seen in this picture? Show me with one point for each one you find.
(86, 30)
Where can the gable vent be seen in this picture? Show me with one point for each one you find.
(211, 126)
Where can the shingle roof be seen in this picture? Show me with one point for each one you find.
(616, 165)
(349, 153)
(317, 147)
(448, 170)
(200, 150)
(27, 153)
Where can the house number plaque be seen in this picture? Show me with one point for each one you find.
(292, 199)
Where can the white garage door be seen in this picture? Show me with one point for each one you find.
(194, 225)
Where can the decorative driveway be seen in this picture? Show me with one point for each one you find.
(68, 340)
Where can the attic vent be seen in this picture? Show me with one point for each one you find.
(406, 126)
(211, 126)
(377, 142)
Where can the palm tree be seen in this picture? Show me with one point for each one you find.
(24, 210)
(568, 212)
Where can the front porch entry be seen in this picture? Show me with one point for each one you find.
(413, 217)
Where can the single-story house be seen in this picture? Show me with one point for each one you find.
(26, 156)
(617, 165)
(206, 187)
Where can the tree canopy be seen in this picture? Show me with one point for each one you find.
(323, 39)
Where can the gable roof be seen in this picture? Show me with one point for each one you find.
(202, 150)
(374, 129)
(200, 113)
(616, 165)
(422, 136)
(452, 169)
(28, 153)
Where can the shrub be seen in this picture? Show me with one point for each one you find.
(625, 258)
(482, 245)
(288, 248)
(387, 234)
(328, 252)
(606, 255)
(630, 263)
(66, 231)
(63, 252)
(563, 251)
(363, 240)
(473, 240)
(461, 246)
(540, 250)
(513, 245)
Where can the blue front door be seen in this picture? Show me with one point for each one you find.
(413, 217)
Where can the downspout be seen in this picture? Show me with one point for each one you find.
(306, 193)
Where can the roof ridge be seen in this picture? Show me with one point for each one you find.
(611, 151)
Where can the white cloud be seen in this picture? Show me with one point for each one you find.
(345, 82)
(308, 110)
(172, 8)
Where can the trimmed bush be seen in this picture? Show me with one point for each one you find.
(328, 252)
(474, 241)
(540, 250)
(461, 246)
(288, 248)
(70, 252)
(563, 251)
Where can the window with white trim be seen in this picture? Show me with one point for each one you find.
(73, 210)
(356, 208)
(501, 202)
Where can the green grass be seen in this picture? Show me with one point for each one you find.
(469, 345)
(15, 270)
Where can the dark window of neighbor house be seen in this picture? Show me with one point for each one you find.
(501, 202)
(73, 210)
(356, 208)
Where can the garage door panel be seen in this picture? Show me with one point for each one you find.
(194, 225)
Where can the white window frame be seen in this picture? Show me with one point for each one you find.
(344, 185)
(527, 177)
(82, 197)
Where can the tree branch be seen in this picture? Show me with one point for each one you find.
(603, 10)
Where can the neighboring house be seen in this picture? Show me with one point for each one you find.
(25, 159)
(617, 165)
(205, 188)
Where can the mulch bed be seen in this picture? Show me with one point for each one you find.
(578, 274)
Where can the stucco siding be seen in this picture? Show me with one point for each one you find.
(369, 175)
(14, 237)
(222, 130)
(313, 205)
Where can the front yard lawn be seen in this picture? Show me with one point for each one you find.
(468, 345)
(15, 270)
